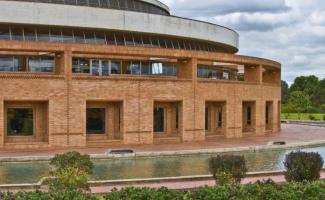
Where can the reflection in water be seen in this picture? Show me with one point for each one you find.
(147, 167)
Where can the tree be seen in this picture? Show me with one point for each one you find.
(299, 102)
(284, 91)
(307, 84)
(319, 96)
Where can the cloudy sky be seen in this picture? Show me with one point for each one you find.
(289, 31)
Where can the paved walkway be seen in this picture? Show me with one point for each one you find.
(188, 184)
(290, 133)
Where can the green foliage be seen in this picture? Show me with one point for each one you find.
(303, 166)
(70, 176)
(305, 84)
(303, 116)
(298, 102)
(312, 117)
(284, 91)
(267, 190)
(224, 165)
(73, 159)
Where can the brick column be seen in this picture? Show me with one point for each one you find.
(260, 117)
(2, 133)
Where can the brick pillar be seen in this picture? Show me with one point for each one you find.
(2, 133)
(260, 117)
(253, 74)
(276, 115)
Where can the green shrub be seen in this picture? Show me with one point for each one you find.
(72, 159)
(70, 176)
(224, 165)
(312, 117)
(324, 117)
(303, 166)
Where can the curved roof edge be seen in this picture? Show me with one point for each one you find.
(158, 4)
(88, 17)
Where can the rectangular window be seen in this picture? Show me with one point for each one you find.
(207, 118)
(4, 33)
(96, 120)
(249, 115)
(79, 37)
(16, 33)
(267, 114)
(29, 34)
(157, 68)
(20, 122)
(41, 64)
(67, 35)
(105, 68)
(115, 67)
(7, 63)
(95, 67)
(43, 34)
(100, 38)
(145, 68)
(219, 122)
(80, 65)
(55, 36)
(110, 38)
(90, 37)
(159, 119)
(135, 68)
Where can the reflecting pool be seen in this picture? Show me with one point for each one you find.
(32, 172)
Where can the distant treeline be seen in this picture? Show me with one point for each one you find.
(305, 95)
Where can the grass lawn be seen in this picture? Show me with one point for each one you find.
(303, 116)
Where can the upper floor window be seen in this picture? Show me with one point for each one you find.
(214, 72)
(98, 67)
(27, 64)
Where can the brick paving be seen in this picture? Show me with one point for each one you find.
(290, 133)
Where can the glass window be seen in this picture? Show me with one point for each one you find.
(20, 122)
(93, 3)
(104, 4)
(95, 67)
(17, 33)
(157, 68)
(129, 40)
(122, 4)
(105, 68)
(110, 38)
(249, 116)
(114, 4)
(7, 63)
(155, 42)
(96, 120)
(29, 34)
(43, 34)
(90, 37)
(219, 117)
(79, 37)
(135, 68)
(169, 44)
(137, 40)
(145, 68)
(80, 65)
(225, 75)
(126, 67)
(207, 118)
(115, 67)
(267, 114)
(146, 41)
(119, 39)
(4, 33)
(55, 35)
(100, 38)
(71, 2)
(159, 119)
(82, 2)
(67, 35)
(170, 69)
(41, 64)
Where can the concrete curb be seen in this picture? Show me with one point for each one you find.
(259, 148)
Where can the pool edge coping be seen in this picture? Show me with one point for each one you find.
(144, 154)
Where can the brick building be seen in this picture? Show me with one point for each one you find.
(102, 72)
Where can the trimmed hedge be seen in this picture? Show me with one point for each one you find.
(225, 167)
(257, 191)
(303, 166)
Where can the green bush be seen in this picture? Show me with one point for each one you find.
(70, 176)
(224, 165)
(324, 117)
(312, 117)
(303, 166)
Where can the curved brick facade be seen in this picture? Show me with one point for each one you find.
(189, 103)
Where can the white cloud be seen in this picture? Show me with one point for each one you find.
(289, 31)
